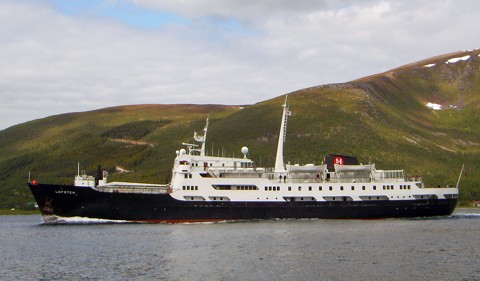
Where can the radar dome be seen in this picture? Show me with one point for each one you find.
(244, 151)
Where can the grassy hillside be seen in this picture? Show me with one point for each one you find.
(141, 139)
(382, 119)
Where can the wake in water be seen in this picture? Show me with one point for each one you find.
(472, 214)
(56, 220)
(465, 215)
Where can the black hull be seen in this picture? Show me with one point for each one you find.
(71, 201)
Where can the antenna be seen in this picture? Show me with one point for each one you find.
(460, 176)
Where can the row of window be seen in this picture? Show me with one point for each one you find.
(326, 198)
(246, 187)
(320, 188)
(234, 187)
(390, 187)
(277, 188)
(190, 187)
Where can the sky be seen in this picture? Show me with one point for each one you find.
(60, 56)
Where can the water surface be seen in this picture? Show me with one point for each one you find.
(440, 248)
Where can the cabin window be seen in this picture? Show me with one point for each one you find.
(353, 187)
(374, 187)
(299, 188)
(289, 188)
(341, 187)
(320, 188)
(363, 187)
(309, 188)
(266, 188)
(330, 188)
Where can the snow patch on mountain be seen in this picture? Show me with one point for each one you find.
(434, 106)
(429, 65)
(454, 60)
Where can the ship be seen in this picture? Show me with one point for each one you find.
(208, 188)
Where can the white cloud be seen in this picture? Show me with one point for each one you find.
(228, 52)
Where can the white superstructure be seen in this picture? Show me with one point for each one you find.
(198, 177)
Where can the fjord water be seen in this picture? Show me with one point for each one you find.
(440, 248)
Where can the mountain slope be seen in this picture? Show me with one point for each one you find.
(382, 118)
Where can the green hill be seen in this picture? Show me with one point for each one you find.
(383, 119)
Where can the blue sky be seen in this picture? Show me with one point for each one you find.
(123, 11)
(68, 56)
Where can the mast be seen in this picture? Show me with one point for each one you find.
(202, 139)
(279, 165)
